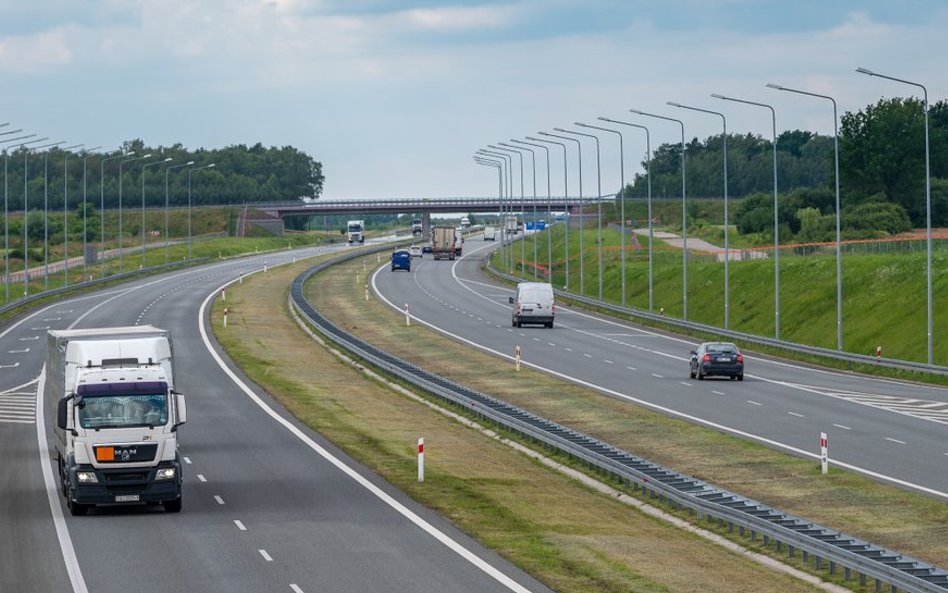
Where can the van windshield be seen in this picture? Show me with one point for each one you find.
(123, 411)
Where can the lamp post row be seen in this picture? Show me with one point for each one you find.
(776, 229)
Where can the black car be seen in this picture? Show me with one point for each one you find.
(717, 358)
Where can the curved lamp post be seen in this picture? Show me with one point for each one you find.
(190, 170)
(621, 201)
(727, 251)
(145, 166)
(65, 214)
(85, 205)
(6, 210)
(684, 212)
(533, 161)
(648, 175)
(773, 116)
(120, 246)
(523, 254)
(839, 253)
(102, 203)
(566, 200)
(167, 171)
(487, 162)
(928, 203)
(549, 212)
(506, 252)
(26, 211)
(582, 266)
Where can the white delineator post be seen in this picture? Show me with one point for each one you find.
(824, 453)
(366, 292)
(517, 354)
(421, 459)
(223, 295)
(407, 315)
(225, 316)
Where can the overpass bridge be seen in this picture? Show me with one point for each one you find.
(274, 213)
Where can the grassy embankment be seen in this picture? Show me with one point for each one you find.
(884, 295)
(569, 537)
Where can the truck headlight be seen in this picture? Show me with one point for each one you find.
(165, 473)
(87, 478)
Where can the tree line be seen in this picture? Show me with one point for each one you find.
(241, 174)
(881, 165)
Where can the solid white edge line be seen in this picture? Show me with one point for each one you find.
(427, 527)
(715, 425)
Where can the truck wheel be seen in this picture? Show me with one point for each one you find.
(76, 509)
(173, 506)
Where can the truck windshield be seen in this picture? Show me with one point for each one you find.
(123, 411)
(354, 228)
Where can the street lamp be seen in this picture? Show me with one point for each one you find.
(598, 202)
(190, 170)
(523, 264)
(839, 252)
(167, 171)
(582, 222)
(684, 212)
(6, 198)
(727, 251)
(121, 249)
(26, 269)
(507, 253)
(102, 203)
(566, 200)
(621, 201)
(486, 162)
(549, 212)
(85, 207)
(145, 166)
(928, 203)
(533, 160)
(66, 212)
(773, 116)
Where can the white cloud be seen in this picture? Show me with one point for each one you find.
(454, 18)
(30, 54)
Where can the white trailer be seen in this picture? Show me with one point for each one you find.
(117, 416)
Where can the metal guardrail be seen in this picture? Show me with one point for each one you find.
(684, 492)
(905, 365)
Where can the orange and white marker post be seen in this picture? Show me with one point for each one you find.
(366, 292)
(223, 295)
(878, 352)
(824, 453)
(407, 316)
(517, 355)
(225, 316)
(421, 459)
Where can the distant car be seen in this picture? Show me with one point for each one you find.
(401, 260)
(426, 248)
(717, 358)
(415, 250)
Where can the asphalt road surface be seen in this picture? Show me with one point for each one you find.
(892, 430)
(269, 506)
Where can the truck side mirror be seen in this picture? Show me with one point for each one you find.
(62, 414)
(510, 300)
(182, 409)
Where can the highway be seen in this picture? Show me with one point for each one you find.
(891, 430)
(268, 504)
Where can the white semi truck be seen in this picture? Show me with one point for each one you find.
(356, 231)
(117, 416)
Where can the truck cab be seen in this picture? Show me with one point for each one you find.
(355, 231)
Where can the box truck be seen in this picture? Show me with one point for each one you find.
(355, 230)
(443, 242)
(117, 416)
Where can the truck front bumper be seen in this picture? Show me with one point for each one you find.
(126, 485)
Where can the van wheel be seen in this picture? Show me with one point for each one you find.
(549, 325)
(76, 509)
(691, 374)
(700, 376)
(740, 377)
(173, 506)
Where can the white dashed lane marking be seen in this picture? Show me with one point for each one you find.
(239, 525)
(752, 402)
(218, 499)
(897, 441)
(797, 415)
(717, 392)
(843, 427)
(266, 556)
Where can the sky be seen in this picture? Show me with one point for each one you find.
(395, 98)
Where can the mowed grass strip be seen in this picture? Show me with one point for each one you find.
(567, 536)
(911, 523)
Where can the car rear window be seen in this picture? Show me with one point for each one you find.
(535, 295)
(723, 348)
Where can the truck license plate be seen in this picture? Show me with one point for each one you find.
(127, 498)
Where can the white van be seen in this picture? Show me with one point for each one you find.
(533, 303)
